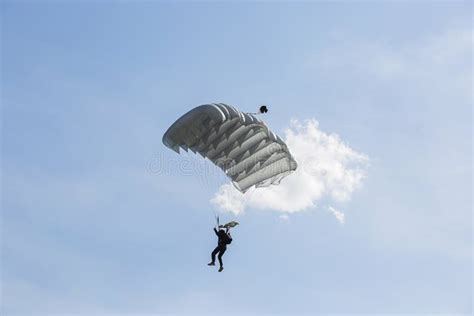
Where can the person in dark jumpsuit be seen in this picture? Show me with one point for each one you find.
(224, 239)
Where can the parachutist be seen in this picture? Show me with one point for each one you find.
(224, 239)
(263, 109)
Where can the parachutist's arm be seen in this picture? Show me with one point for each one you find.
(215, 231)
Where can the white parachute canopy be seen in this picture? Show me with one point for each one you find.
(239, 143)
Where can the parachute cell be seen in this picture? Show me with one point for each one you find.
(239, 143)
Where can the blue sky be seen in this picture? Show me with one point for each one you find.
(88, 89)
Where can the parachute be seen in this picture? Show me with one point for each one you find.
(231, 224)
(238, 143)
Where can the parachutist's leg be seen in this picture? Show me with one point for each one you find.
(214, 253)
(221, 252)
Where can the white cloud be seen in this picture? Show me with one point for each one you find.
(338, 214)
(327, 168)
(229, 199)
(433, 77)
